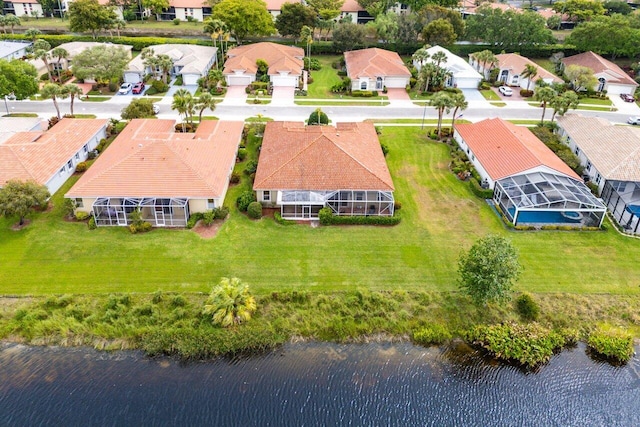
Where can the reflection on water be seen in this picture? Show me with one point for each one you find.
(313, 384)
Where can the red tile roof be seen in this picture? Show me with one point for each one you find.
(298, 157)
(600, 65)
(374, 63)
(504, 149)
(39, 156)
(149, 159)
(351, 6)
(193, 4)
(517, 63)
(278, 56)
(276, 5)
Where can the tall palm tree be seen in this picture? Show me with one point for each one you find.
(530, 72)
(427, 73)
(544, 95)
(562, 103)
(230, 303)
(149, 59)
(215, 28)
(306, 35)
(441, 101)
(52, 91)
(487, 59)
(72, 90)
(41, 51)
(205, 101)
(438, 58)
(421, 55)
(459, 103)
(32, 34)
(214, 77)
(184, 104)
(165, 63)
(59, 53)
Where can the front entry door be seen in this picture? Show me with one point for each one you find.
(159, 216)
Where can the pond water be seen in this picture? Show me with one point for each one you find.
(313, 384)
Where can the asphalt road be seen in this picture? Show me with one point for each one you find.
(477, 110)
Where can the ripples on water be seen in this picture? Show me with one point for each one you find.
(313, 384)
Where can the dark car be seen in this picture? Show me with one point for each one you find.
(138, 88)
(627, 98)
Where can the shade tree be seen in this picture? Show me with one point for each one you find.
(17, 78)
(101, 63)
(244, 18)
(17, 198)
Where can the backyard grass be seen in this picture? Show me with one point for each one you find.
(139, 25)
(323, 79)
(440, 218)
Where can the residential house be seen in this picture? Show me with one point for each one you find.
(22, 8)
(166, 174)
(375, 69)
(10, 49)
(190, 61)
(610, 155)
(274, 7)
(285, 64)
(303, 169)
(184, 10)
(73, 49)
(463, 75)
(531, 185)
(50, 157)
(9, 126)
(352, 10)
(610, 77)
(511, 67)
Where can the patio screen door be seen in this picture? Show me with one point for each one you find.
(306, 211)
(159, 216)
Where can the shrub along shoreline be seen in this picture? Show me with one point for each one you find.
(173, 324)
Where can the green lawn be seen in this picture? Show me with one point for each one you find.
(440, 219)
(139, 25)
(490, 95)
(323, 79)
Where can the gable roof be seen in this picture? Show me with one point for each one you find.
(504, 149)
(276, 5)
(613, 150)
(280, 58)
(599, 65)
(374, 63)
(195, 4)
(458, 66)
(38, 156)
(517, 64)
(322, 158)
(351, 6)
(192, 58)
(149, 159)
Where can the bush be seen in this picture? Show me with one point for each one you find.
(92, 223)
(476, 188)
(188, 127)
(327, 217)
(318, 117)
(385, 149)
(363, 93)
(176, 21)
(526, 93)
(612, 344)
(527, 307)
(101, 145)
(159, 86)
(221, 212)
(208, 217)
(193, 219)
(81, 216)
(254, 210)
(242, 154)
(251, 167)
(235, 178)
(431, 335)
(281, 220)
(312, 64)
(81, 167)
(245, 199)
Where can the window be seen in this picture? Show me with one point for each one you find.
(211, 203)
(85, 149)
(588, 166)
(62, 171)
(266, 196)
(77, 156)
(598, 178)
(70, 164)
(359, 195)
(363, 85)
(79, 202)
(577, 151)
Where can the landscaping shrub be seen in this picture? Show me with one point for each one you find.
(327, 217)
(242, 154)
(431, 335)
(159, 86)
(193, 219)
(281, 220)
(613, 344)
(254, 210)
(140, 228)
(221, 212)
(526, 93)
(176, 21)
(178, 301)
(245, 199)
(529, 345)
(312, 64)
(251, 167)
(235, 178)
(318, 117)
(101, 145)
(527, 307)
(208, 217)
(81, 216)
(81, 167)
(385, 148)
(363, 93)
(92, 223)
(188, 127)
(476, 188)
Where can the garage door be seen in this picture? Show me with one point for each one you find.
(238, 80)
(396, 82)
(467, 83)
(190, 79)
(132, 78)
(284, 81)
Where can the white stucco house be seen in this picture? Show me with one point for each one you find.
(190, 61)
(511, 66)
(10, 49)
(463, 75)
(375, 69)
(285, 64)
(610, 77)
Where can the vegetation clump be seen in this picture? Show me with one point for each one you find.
(254, 210)
(527, 307)
(431, 335)
(230, 303)
(612, 344)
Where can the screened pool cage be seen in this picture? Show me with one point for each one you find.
(156, 211)
(540, 198)
(307, 204)
(623, 200)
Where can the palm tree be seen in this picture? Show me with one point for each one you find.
(215, 28)
(184, 104)
(165, 63)
(561, 104)
(530, 72)
(230, 303)
(421, 55)
(72, 90)
(11, 20)
(544, 95)
(487, 59)
(3, 24)
(41, 51)
(205, 101)
(427, 73)
(459, 103)
(32, 34)
(59, 53)
(214, 77)
(306, 34)
(438, 58)
(442, 102)
(149, 59)
(52, 91)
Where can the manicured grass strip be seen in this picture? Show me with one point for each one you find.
(84, 116)
(499, 104)
(490, 95)
(21, 115)
(595, 101)
(323, 79)
(94, 98)
(344, 103)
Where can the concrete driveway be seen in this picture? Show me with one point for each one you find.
(235, 95)
(282, 95)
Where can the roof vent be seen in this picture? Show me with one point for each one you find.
(337, 133)
(140, 145)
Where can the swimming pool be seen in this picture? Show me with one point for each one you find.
(545, 217)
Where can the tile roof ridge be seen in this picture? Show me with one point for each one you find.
(184, 161)
(12, 151)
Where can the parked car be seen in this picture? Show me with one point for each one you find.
(125, 88)
(505, 90)
(634, 120)
(138, 88)
(156, 108)
(627, 98)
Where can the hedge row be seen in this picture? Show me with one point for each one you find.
(476, 188)
(327, 217)
(138, 43)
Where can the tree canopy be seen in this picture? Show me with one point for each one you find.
(244, 18)
(616, 35)
(347, 36)
(293, 17)
(581, 78)
(439, 32)
(18, 78)
(432, 12)
(139, 108)
(102, 63)
(17, 198)
(579, 10)
(230, 303)
(489, 269)
(90, 15)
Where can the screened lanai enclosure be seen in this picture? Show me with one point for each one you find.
(540, 198)
(623, 200)
(158, 212)
(303, 205)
